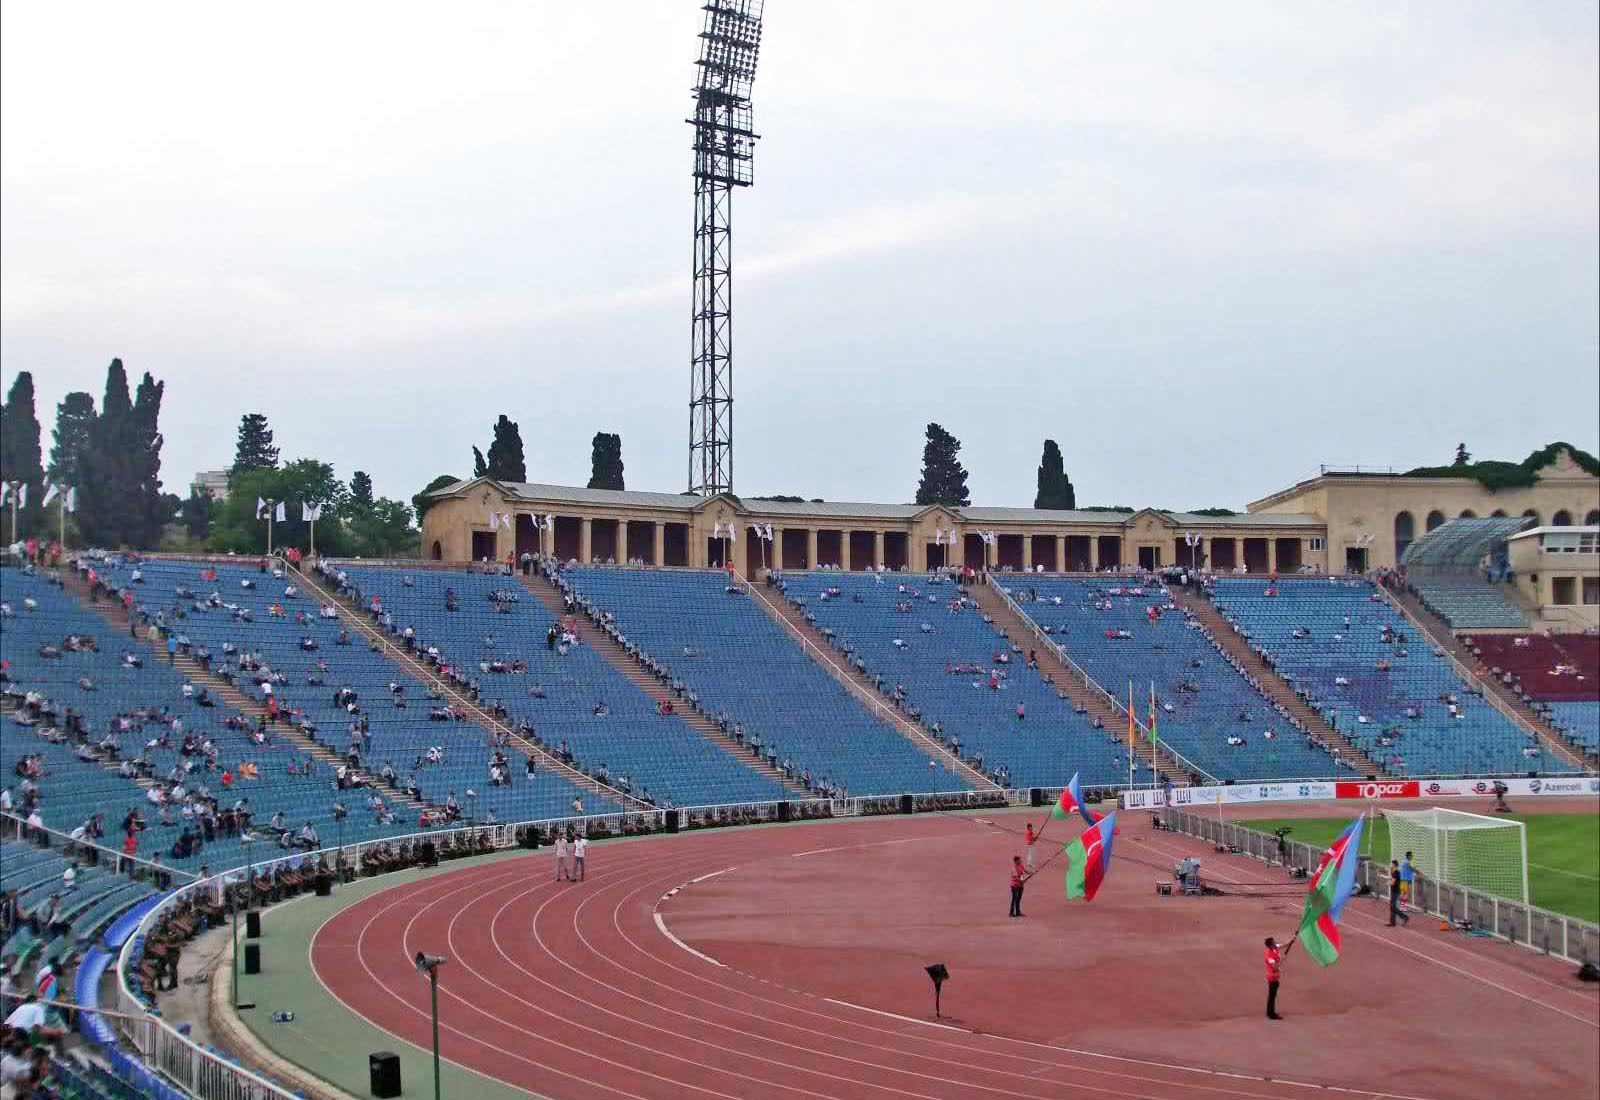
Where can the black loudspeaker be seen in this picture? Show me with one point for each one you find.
(252, 958)
(672, 821)
(252, 924)
(1035, 797)
(324, 886)
(383, 1072)
(906, 803)
(785, 811)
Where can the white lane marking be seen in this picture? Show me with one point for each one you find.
(702, 878)
(897, 1016)
(667, 932)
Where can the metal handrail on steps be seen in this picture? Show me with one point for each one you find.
(876, 705)
(482, 716)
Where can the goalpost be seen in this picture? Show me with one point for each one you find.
(1489, 854)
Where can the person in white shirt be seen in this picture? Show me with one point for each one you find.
(69, 878)
(561, 857)
(580, 849)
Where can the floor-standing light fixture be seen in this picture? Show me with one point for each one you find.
(429, 965)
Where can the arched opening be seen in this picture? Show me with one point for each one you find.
(1533, 515)
(1404, 531)
(437, 553)
(1562, 518)
(1498, 513)
(1435, 519)
(1467, 513)
(1592, 519)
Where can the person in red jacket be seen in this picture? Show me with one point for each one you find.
(1274, 960)
(1019, 879)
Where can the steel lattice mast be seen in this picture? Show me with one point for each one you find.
(724, 147)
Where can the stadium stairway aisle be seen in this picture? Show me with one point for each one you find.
(1276, 686)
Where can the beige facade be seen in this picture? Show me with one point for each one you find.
(488, 519)
(1369, 518)
(1557, 574)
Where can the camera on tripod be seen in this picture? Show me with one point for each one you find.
(1283, 832)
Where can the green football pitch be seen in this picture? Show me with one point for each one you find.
(1563, 854)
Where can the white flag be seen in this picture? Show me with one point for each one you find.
(494, 521)
(767, 534)
(22, 495)
(50, 493)
(5, 491)
(549, 523)
(309, 513)
(261, 508)
(72, 499)
(281, 512)
(506, 521)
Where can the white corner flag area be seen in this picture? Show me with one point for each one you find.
(1483, 853)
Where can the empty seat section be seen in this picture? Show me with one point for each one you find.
(739, 661)
(499, 625)
(1210, 712)
(1359, 663)
(1467, 604)
(917, 636)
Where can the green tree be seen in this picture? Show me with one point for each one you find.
(197, 513)
(306, 480)
(1055, 490)
(944, 481)
(424, 500)
(254, 450)
(361, 491)
(605, 461)
(1463, 456)
(74, 429)
(150, 510)
(480, 468)
(21, 461)
(107, 493)
(505, 452)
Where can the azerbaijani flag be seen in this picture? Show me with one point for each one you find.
(1071, 801)
(1152, 710)
(1330, 889)
(1088, 857)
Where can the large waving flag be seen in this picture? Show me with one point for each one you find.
(1071, 801)
(1330, 889)
(1088, 857)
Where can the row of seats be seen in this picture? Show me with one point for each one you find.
(1467, 603)
(949, 667)
(1126, 631)
(1357, 661)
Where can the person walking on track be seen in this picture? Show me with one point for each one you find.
(1031, 839)
(561, 857)
(580, 849)
(1274, 960)
(1019, 879)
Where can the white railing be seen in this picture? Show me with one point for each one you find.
(1091, 684)
(878, 706)
(13, 827)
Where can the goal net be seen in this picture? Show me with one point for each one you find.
(1483, 853)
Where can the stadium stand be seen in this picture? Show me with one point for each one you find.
(942, 661)
(1458, 571)
(502, 636)
(259, 630)
(1469, 604)
(733, 660)
(1355, 660)
(1559, 676)
(1122, 628)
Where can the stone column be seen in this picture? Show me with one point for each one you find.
(622, 542)
(844, 550)
(1027, 553)
(585, 532)
(811, 547)
(659, 548)
(1094, 552)
(877, 549)
(1061, 553)
(775, 553)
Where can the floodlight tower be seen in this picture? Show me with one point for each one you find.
(724, 148)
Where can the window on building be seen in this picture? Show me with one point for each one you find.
(1562, 518)
(1591, 590)
(1563, 591)
(1435, 519)
(1319, 544)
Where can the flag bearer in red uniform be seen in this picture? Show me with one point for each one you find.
(1274, 961)
(1019, 878)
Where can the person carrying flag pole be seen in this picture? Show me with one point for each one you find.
(1030, 838)
(1274, 960)
(1019, 879)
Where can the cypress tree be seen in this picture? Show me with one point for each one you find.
(73, 431)
(944, 480)
(605, 461)
(505, 452)
(254, 450)
(20, 457)
(1054, 489)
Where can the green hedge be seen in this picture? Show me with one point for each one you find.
(1511, 475)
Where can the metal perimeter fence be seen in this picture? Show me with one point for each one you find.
(199, 1071)
(1556, 934)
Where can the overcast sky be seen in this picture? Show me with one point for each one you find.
(1205, 246)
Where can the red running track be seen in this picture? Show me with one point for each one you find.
(786, 963)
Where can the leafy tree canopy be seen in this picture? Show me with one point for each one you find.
(944, 480)
(1054, 489)
(1495, 474)
(605, 461)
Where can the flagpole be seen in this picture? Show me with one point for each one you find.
(313, 538)
(61, 519)
(1130, 735)
(1154, 744)
(272, 511)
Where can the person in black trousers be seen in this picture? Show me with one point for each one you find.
(1274, 960)
(1019, 879)
(1394, 895)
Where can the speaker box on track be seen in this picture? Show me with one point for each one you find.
(383, 1072)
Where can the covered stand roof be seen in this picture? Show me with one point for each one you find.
(1462, 542)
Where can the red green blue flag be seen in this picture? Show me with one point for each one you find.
(1071, 801)
(1331, 884)
(1088, 857)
